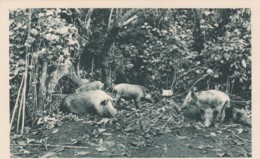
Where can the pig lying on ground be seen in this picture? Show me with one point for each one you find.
(89, 102)
(96, 85)
(131, 91)
(215, 99)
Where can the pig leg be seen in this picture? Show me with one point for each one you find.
(221, 112)
(117, 98)
(218, 117)
(138, 102)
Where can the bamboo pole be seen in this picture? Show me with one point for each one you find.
(19, 113)
(24, 94)
(16, 103)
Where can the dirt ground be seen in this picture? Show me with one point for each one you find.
(156, 130)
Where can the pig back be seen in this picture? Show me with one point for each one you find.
(213, 98)
(129, 90)
(96, 85)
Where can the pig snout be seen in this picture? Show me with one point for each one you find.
(109, 108)
(207, 117)
(149, 97)
(187, 101)
(112, 111)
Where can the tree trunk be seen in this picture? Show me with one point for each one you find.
(120, 21)
(104, 64)
(42, 88)
(197, 34)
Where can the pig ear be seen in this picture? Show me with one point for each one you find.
(104, 102)
(192, 94)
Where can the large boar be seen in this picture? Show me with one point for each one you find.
(215, 99)
(96, 85)
(89, 102)
(131, 91)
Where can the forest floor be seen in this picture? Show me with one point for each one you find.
(156, 130)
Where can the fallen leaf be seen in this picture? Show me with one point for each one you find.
(240, 130)
(188, 145)
(200, 147)
(238, 142)
(82, 153)
(101, 130)
(111, 143)
(127, 154)
(22, 143)
(219, 132)
(209, 146)
(196, 126)
(47, 155)
(221, 154)
(213, 134)
(15, 136)
(58, 149)
(107, 134)
(182, 137)
(92, 144)
(128, 128)
(74, 142)
(26, 151)
(85, 136)
(30, 140)
(216, 149)
(103, 121)
(101, 149)
(88, 122)
(55, 131)
(101, 142)
(122, 145)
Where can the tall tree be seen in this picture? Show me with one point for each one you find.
(121, 20)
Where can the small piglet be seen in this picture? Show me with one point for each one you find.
(96, 85)
(131, 91)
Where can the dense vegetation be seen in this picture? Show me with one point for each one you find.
(55, 50)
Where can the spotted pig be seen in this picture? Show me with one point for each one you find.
(215, 99)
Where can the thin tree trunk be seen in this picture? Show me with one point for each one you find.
(24, 94)
(197, 34)
(92, 67)
(42, 88)
(104, 64)
(16, 102)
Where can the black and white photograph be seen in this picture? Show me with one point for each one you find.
(130, 82)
